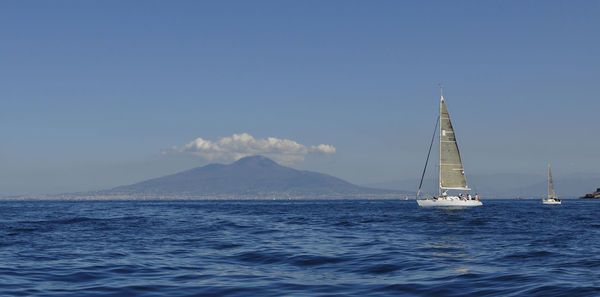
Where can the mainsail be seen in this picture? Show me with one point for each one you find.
(452, 174)
(551, 192)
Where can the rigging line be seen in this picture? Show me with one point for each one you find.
(428, 153)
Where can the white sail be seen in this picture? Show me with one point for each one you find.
(452, 173)
(551, 192)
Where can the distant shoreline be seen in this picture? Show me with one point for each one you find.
(237, 198)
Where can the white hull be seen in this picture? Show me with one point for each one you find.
(551, 201)
(449, 201)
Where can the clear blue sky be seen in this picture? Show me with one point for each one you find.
(92, 92)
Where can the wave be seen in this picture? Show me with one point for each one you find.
(291, 248)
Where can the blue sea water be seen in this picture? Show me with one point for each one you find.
(298, 248)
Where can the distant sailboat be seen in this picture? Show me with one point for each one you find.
(552, 198)
(451, 171)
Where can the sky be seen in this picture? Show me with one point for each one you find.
(96, 94)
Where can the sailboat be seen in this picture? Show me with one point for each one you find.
(451, 171)
(552, 198)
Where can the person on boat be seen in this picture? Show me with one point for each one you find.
(445, 194)
(460, 196)
(469, 196)
(477, 197)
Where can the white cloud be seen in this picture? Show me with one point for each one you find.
(242, 145)
(323, 148)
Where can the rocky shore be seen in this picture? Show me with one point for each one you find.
(593, 194)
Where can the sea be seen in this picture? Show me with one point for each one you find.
(298, 248)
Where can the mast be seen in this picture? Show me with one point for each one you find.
(440, 146)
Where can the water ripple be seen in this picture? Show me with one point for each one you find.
(298, 248)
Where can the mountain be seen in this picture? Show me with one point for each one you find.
(250, 177)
